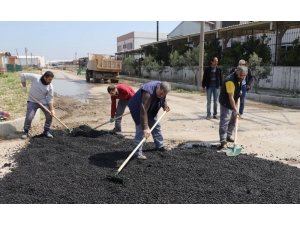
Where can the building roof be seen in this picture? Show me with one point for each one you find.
(5, 53)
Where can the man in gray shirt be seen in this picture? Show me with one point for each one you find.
(42, 90)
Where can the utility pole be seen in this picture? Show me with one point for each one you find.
(201, 54)
(18, 57)
(156, 30)
(31, 58)
(26, 58)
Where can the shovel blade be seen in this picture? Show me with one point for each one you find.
(233, 151)
(115, 179)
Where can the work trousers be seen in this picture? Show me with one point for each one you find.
(227, 122)
(120, 111)
(243, 99)
(156, 134)
(32, 107)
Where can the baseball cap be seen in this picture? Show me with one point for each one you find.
(242, 62)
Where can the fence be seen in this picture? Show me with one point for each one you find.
(281, 77)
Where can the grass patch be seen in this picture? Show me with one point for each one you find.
(180, 90)
(12, 99)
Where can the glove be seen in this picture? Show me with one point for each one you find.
(24, 89)
(52, 112)
(236, 115)
(111, 120)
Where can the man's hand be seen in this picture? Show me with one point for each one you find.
(24, 89)
(111, 120)
(236, 114)
(203, 90)
(147, 133)
(166, 108)
(52, 113)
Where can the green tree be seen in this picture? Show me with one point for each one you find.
(131, 64)
(259, 70)
(149, 64)
(212, 48)
(259, 46)
(177, 62)
(191, 60)
(291, 57)
(159, 68)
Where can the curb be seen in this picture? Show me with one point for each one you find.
(17, 125)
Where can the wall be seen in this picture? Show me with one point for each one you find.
(286, 78)
(283, 77)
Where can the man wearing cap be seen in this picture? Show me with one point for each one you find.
(246, 85)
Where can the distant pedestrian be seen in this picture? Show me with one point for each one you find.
(229, 95)
(144, 106)
(246, 85)
(124, 93)
(42, 90)
(211, 84)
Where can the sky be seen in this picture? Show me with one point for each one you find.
(60, 40)
(58, 30)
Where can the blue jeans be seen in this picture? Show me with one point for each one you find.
(243, 99)
(209, 92)
(156, 134)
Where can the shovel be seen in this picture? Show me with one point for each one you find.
(235, 150)
(115, 177)
(109, 121)
(70, 130)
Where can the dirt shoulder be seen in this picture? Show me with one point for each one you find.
(270, 132)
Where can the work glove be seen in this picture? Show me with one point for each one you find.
(52, 112)
(24, 89)
(111, 120)
(236, 115)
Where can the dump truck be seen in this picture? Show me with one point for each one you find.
(101, 66)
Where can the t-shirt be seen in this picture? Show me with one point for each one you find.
(213, 77)
(230, 88)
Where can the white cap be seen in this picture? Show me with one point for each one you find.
(242, 62)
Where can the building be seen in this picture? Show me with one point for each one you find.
(133, 41)
(33, 61)
(4, 60)
(189, 27)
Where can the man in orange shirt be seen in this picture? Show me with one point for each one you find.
(124, 93)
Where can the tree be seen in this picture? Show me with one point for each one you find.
(159, 68)
(177, 62)
(212, 48)
(149, 64)
(291, 57)
(130, 63)
(191, 60)
(258, 69)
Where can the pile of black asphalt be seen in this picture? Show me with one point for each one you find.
(74, 168)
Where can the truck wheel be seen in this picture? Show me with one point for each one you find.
(87, 76)
(94, 78)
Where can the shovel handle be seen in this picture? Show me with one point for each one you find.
(109, 121)
(136, 148)
(47, 110)
(236, 122)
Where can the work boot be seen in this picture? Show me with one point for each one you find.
(116, 129)
(223, 143)
(229, 139)
(141, 157)
(25, 134)
(47, 134)
(165, 148)
(216, 117)
(208, 117)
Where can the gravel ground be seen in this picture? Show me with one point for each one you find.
(73, 169)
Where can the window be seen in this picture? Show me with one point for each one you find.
(119, 48)
(129, 46)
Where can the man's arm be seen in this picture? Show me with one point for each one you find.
(113, 107)
(146, 102)
(250, 78)
(232, 102)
